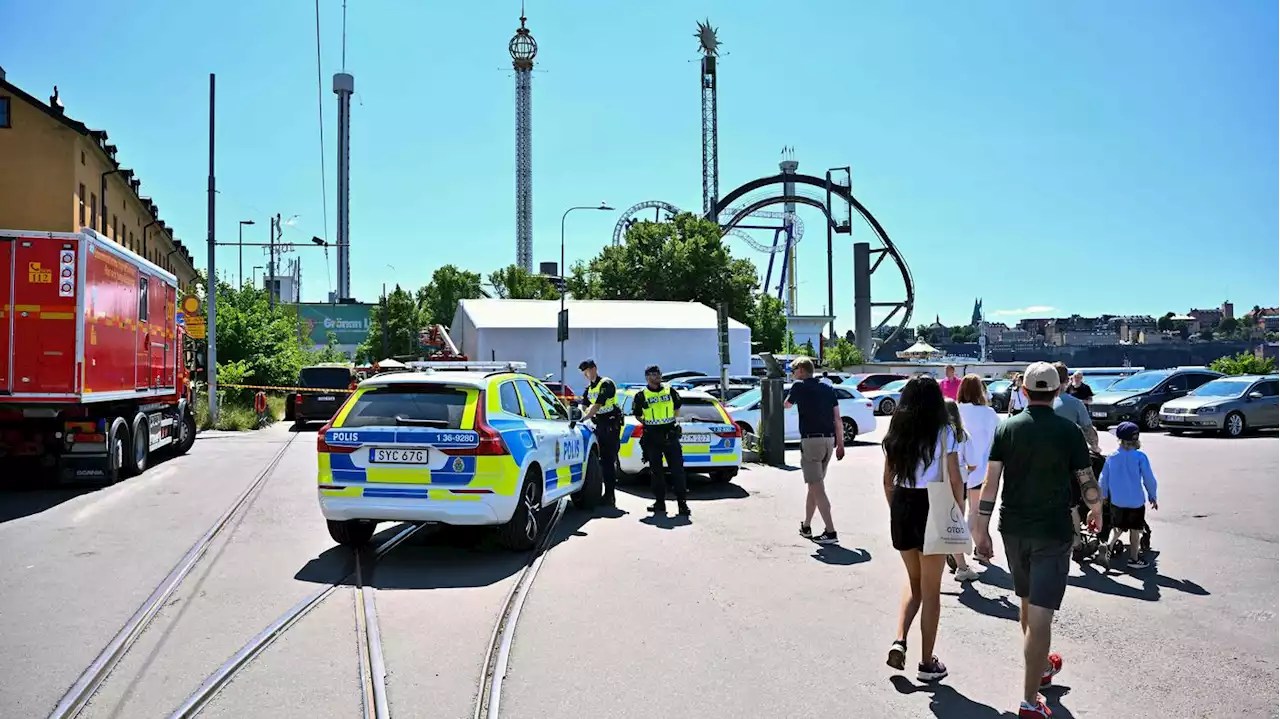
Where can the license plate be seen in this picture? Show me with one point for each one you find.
(398, 456)
(1100, 415)
(695, 439)
(325, 399)
(1170, 418)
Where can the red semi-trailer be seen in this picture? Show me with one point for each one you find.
(92, 371)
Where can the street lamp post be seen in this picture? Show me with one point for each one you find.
(562, 320)
(240, 242)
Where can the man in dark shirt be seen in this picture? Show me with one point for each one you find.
(1079, 389)
(1040, 454)
(600, 400)
(821, 435)
(657, 406)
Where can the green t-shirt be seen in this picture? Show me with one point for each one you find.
(1041, 453)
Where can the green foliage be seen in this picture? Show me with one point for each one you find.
(1244, 363)
(789, 345)
(400, 316)
(924, 333)
(1166, 323)
(683, 260)
(257, 344)
(843, 354)
(438, 299)
(1228, 326)
(514, 283)
(233, 373)
(849, 337)
(807, 349)
(768, 323)
(328, 353)
(1206, 334)
(964, 333)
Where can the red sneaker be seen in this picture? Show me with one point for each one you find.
(1055, 666)
(1039, 711)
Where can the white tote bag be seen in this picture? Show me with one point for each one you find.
(945, 531)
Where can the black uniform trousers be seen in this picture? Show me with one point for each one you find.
(608, 431)
(659, 442)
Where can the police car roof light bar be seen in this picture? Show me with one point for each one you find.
(468, 366)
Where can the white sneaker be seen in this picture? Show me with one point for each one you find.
(966, 574)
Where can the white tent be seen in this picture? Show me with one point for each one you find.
(623, 337)
(920, 350)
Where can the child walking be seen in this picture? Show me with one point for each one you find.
(1127, 480)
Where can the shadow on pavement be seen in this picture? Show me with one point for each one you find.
(1053, 697)
(699, 490)
(26, 501)
(1152, 581)
(667, 521)
(335, 564)
(841, 556)
(947, 703)
(1000, 607)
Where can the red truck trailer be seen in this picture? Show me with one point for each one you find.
(92, 372)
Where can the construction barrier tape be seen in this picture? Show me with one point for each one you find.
(284, 389)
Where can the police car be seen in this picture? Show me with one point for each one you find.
(453, 443)
(711, 443)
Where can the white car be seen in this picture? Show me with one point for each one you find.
(711, 443)
(886, 399)
(452, 447)
(856, 414)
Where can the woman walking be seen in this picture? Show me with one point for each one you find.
(1017, 400)
(920, 439)
(979, 423)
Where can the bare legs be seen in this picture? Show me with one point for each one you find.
(817, 500)
(921, 596)
(1037, 628)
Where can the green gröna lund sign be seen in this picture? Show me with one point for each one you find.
(349, 323)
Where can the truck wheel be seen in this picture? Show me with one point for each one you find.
(117, 450)
(592, 489)
(521, 532)
(354, 533)
(186, 433)
(140, 447)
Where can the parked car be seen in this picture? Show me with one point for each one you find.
(867, 382)
(317, 405)
(885, 400)
(1138, 398)
(698, 382)
(710, 443)
(681, 374)
(998, 390)
(746, 379)
(856, 413)
(1231, 405)
(733, 390)
(562, 391)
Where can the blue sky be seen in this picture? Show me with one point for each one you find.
(1085, 157)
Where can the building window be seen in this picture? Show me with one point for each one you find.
(81, 198)
(115, 230)
(82, 162)
(93, 210)
(4, 112)
(131, 245)
(142, 299)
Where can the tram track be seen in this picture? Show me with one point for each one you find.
(92, 678)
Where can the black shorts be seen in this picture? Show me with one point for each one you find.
(1039, 568)
(1126, 518)
(908, 513)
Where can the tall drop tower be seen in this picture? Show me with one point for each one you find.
(343, 85)
(789, 166)
(523, 49)
(710, 46)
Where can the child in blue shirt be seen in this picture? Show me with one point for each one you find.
(1129, 483)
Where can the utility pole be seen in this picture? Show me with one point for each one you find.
(212, 367)
(271, 261)
(385, 352)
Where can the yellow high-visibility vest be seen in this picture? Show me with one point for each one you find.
(593, 394)
(659, 408)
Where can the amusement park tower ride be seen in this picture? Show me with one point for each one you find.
(523, 50)
(710, 146)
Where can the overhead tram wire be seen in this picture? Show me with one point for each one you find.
(324, 186)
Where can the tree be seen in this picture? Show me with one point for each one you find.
(807, 349)
(1228, 326)
(514, 283)
(261, 341)
(924, 333)
(964, 333)
(768, 324)
(789, 345)
(682, 260)
(1244, 363)
(844, 354)
(439, 298)
(1206, 335)
(1166, 323)
(403, 319)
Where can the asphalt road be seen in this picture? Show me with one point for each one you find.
(731, 614)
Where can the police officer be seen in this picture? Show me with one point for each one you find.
(601, 404)
(655, 406)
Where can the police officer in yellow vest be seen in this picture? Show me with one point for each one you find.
(601, 405)
(656, 407)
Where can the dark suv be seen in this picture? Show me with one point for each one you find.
(1137, 398)
(318, 405)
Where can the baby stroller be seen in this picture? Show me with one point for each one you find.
(1088, 542)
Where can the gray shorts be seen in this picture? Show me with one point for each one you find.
(815, 455)
(1039, 568)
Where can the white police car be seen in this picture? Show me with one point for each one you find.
(469, 447)
(711, 443)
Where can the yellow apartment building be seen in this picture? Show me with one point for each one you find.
(58, 175)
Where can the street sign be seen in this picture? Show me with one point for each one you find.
(182, 319)
(190, 305)
(562, 326)
(196, 328)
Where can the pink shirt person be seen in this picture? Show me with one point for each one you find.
(951, 384)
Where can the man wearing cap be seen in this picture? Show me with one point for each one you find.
(1040, 455)
(1069, 406)
(657, 407)
(601, 403)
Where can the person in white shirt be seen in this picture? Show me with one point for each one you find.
(979, 422)
(1017, 400)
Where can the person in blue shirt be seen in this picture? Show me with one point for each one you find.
(1130, 484)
